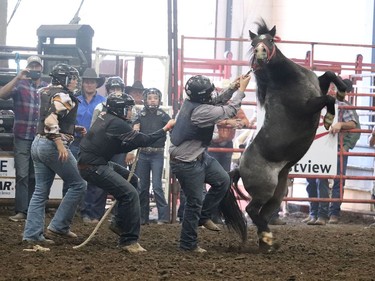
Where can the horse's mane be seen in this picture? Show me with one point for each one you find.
(262, 27)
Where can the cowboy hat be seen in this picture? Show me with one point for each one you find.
(90, 73)
(137, 85)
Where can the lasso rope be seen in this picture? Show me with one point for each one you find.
(109, 209)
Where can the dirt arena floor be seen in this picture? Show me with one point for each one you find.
(333, 252)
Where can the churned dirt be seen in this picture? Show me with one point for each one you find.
(333, 252)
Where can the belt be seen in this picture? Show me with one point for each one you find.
(152, 149)
(42, 136)
(85, 166)
(199, 158)
(66, 142)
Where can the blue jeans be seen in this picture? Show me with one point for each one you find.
(181, 208)
(335, 207)
(94, 202)
(112, 178)
(25, 175)
(74, 149)
(151, 163)
(318, 188)
(46, 163)
(224, 158)
(192, 176)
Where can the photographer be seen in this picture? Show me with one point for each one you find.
(26, 101)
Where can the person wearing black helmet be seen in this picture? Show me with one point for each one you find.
(51, 156)
(189, 159)
(151, 158)
(111, 134)
(114, 84)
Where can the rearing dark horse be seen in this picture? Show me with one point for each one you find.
(292, 97)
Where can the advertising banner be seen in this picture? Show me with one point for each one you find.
(8, 180)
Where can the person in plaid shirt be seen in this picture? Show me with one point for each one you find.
(23, 88)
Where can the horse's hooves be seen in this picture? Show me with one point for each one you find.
(340, 96)
(266, 248)
(328, 120)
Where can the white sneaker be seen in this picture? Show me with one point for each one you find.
(199, 250)
(18, 217)
(134, 248)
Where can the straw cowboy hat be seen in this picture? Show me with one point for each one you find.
(90, 73)
(137, 85)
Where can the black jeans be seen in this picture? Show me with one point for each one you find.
(113, 179)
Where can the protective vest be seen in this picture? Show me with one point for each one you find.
(66, 123)
(151, 122)
(185, 130)
(98, 143)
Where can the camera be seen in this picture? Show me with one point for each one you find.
(34, 74)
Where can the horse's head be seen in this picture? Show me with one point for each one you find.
(263, 46)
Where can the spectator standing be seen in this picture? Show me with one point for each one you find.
(136, 92)
(151, 158)
(224, 135)
(51, 156)
(93, 204)
(114, 85)
(318, 211)
(190, 161)
(347, 119)
(26, 99)
(112, 134)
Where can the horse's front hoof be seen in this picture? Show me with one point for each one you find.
(267, 248)
(328, 120)
(340, 96)
(266, 244)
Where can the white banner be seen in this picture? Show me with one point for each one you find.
(8, 180)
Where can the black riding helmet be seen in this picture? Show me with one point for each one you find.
(119, 105)
(62, 74)
(199, 89)
(150, 91)
(113, 82)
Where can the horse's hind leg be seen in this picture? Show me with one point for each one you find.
(260, 218)
(266, 241)
(264, 233)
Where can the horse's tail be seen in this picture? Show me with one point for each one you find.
(233, 215)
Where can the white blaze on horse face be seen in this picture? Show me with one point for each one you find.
(261, 52)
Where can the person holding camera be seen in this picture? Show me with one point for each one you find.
(23, 88)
